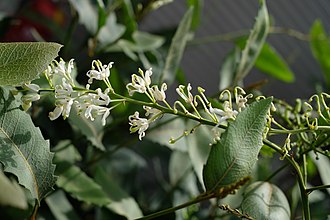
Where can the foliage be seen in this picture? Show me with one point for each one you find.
(230, 149)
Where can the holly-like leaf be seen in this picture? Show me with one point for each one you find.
(263, 200)
(23, 150)
(23, 62)
(233, 157)
(254, 43)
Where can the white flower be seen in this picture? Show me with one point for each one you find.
(31, 86)
(56, 113)
(102, 72)
(63, 101)
(188, 98)
(141, 83)
(151, 111)
(138, 124)
(63, 69)
(226, 113)
(28, 99)
(159, 94)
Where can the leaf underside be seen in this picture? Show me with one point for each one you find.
(23, 150)
(233, 157)
(24, 61)
(263, 200)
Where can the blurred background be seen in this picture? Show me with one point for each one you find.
(221, 22)
(138, 34)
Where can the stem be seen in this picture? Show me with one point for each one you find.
(168, 110)
(300, 178)
(198, 199)
(310, 190)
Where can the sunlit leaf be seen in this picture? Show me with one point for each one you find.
(82, 187)
(11, 193)
(88, 15)
(23, 151)
(323, 165)
(229, 68)
(263, 200)
(177, 47)
(254, 43)
(320, 45)
(233, 157)
(111, 31)
(23, 62)
(198, 7)
(271, 63)
(60, 206)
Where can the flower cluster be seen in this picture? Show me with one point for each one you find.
(97, 103)
(89, 103)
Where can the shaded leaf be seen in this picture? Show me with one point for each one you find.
(179, 166)
(263, 200)
(173, 128)
(11, 193)
(177, 48)
(82, 187)
(60, 206)
(320, 45)
(93, 130)
(233, 157)
(199, 149)
(23, 62)
(254, 43)
(122, 203)
(65, 151)
(23, 150)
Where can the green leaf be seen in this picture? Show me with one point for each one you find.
(93, 130)
(198, 7)
(199, 150)
(179, 165)
(323, 165)
(263, 200)
(172, 128)
(23, 62)
(229, 68)
(23, 150)
(82, 187)
(122, 203)
(60, 206)
(254, 43)
(233, 157)
(11, 193)
(177, 48)
(87, 14)
(271, 63)
(320, 45)
(111, 31)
